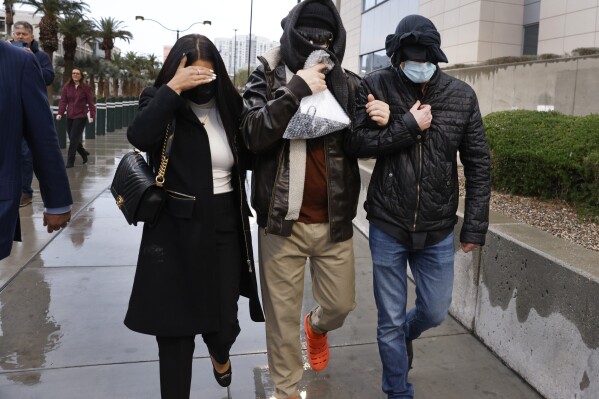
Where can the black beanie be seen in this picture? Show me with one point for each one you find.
(417, 39)
(318, 16)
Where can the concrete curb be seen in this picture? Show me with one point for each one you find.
(531, 298)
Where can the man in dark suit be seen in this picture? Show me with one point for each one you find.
(23, 38)
(25, 112)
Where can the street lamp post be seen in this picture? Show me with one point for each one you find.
(250, 41)
(235, 59)
(173, 30)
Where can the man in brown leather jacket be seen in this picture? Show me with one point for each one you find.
(321, 227)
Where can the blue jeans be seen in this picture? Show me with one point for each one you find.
(432, 268)
(27, 162)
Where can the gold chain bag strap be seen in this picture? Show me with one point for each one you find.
(138, 193)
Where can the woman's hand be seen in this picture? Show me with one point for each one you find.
(189, 77)
(58, 117)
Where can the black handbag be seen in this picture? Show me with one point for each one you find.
(139, 193)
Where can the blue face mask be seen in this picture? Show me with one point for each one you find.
(419, 72)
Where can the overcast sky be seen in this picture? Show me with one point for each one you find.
(225, 15)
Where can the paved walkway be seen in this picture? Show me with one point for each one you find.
(63, 298)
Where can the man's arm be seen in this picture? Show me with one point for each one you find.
(41, 137)
(264, 121)
(369, 139)
(474, 154)
(47, 69)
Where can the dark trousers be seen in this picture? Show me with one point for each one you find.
(75, 130)
(9, 214)
(176, 353)
(27, 171)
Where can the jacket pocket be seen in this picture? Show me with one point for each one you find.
(179, 205)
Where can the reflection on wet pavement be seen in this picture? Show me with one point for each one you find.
(29, 330)
(63, 298)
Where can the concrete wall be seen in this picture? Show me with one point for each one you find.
(531, 298)
(567, 24)
(474, 31)
(568, 85)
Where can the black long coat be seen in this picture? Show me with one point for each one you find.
(175, 287)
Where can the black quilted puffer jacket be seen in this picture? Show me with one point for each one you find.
(414, 184)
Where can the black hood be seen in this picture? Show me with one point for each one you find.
(295, 48)
(416, 38)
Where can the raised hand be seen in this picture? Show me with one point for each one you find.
(422, 114)
(314, 78)
(378, 111)
(189, 77)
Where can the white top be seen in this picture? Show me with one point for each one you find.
(222, 157)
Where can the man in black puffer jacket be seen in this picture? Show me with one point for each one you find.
(414, 119)
(305, 220)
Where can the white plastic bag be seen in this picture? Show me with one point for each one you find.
(319, 114)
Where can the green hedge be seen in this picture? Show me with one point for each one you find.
(547, 155)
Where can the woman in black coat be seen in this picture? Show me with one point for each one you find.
(197, 259)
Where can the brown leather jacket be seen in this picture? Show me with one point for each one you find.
(270, 104)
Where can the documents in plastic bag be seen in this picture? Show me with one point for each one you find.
(319, 114)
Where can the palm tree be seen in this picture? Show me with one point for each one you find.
(94, 68)
(72, 27)
(109, 29)
(153, 66)
(52, 10)
(10, 12)
(117, 72)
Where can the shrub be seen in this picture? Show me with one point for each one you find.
(547, 155)
(549, 56)
(585, 51)
(510, 59)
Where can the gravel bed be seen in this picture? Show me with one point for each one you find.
(552, 216)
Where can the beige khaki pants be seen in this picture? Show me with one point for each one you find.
(282, 266)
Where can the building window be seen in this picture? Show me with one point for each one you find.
(373, 61)
(368, 4)
(531, 39)
(3, 25)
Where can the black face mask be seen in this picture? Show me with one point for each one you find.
(201, 94)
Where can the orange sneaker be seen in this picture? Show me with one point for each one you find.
(317, 346)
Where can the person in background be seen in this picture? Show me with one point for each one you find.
(197, 259)
(414, 119)
(77, 100)
(25, 113)
(316, 224)
(23, 37)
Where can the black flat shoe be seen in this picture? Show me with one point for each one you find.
(223, 379)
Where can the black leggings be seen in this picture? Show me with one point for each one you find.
(75, 129)
(176, 353)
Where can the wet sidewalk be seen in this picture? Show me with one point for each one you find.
(63, 298)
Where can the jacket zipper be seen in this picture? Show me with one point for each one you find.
(247, 253)
(418, 185)
(420, 97)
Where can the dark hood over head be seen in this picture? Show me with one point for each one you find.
(317, 16)
(416, 38)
